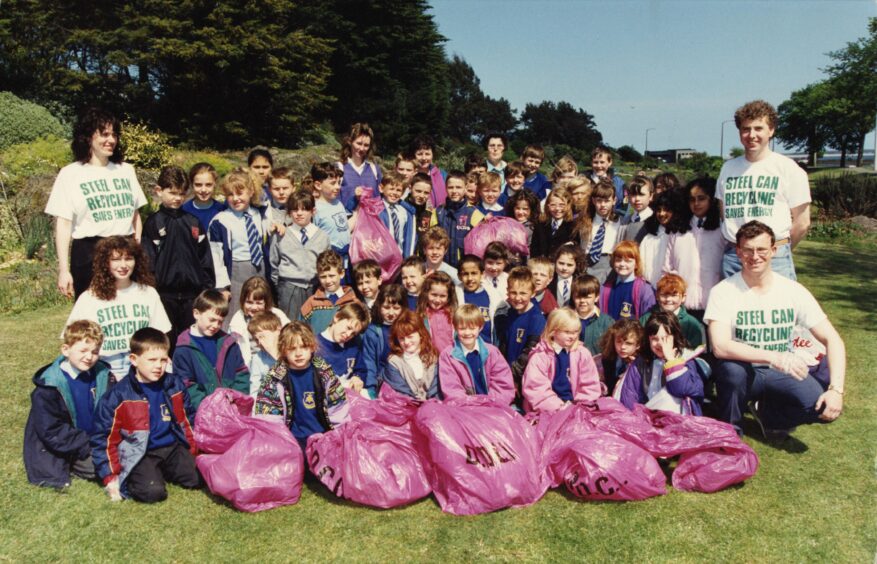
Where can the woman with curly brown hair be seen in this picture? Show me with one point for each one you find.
(121, 299)
(95, 197)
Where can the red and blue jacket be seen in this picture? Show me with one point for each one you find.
(121, 426)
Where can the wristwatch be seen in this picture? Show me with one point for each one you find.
(833, 388)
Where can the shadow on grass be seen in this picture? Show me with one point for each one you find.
(318, 489)
(790, 444)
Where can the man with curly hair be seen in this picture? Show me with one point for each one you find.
(765, 186)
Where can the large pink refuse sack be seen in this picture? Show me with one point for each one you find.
(480, 456)
(371, 239)
(254, 463)
(506, 230)
(371, 459)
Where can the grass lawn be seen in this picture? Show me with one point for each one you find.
(813, 499)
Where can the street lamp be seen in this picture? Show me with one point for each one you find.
(646, 153)
(722, 142)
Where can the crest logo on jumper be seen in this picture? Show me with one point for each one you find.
(308, 400)
(519, 337)
(340, 221)
(350, 363)
(626, 310)
(165, 412)
(485, 313)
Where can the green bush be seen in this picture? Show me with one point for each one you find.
(144, 147)
(185, 160)
(22, 121)
(27, 286)
(846, 195)
(41, 156)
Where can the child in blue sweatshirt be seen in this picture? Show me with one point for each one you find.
(376, 339)
(62, 411)
(202, 178)
(457, 217)
(520, 328)
(472, 291)
(206, 357)
(340, 345)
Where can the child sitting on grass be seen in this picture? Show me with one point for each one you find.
(412, 364)
(62, 409)
(264, 329)
(376, 339)
(671, 296)
(585, 294)
(143, 427)
(339, 345)
(255, 298)
(319, 310)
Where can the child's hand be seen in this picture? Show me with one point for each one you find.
(112, 489)
(358, 191)
(279, 228)
(355, 384)
(667, 348)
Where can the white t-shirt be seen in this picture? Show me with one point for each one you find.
(766, 190)
(99, 200)
(653, 254)
(135, 307)
(238, 324)
(763, 320)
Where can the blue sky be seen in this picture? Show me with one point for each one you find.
(680, 67)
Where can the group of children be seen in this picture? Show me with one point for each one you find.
(599, 307)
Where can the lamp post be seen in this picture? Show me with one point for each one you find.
(722, 142)
(645, 154)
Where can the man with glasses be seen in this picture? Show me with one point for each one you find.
(753, 316)
(763, 185)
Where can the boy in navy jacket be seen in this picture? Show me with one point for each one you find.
(207, 357)
(62, 409)
(143, 428)
(519, 329)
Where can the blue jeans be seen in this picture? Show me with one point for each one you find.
(785, 401)
(782, 262)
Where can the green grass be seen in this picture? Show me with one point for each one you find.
(813, 498)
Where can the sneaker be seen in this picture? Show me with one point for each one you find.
(777, 435)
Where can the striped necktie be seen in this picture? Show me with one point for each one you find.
(304, 236)
(597, 245)
(700, 222)
(564, 293)
(395, 220)
(254, 240)
(554, 225)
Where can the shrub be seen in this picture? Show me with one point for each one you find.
(41, 156)
(846, 195)
(27, 286)
(22, 121)
(144, 147)
(185, 160)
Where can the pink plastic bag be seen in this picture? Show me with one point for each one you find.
(601, 466)
(506, 230)
(372, 240)
(714, 469)
(480, 456)
(254, 463)
(371, 459)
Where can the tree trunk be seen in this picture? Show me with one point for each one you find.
(859, 154)
(843, 156)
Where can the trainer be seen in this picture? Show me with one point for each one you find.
(765, 186)
(752, 318)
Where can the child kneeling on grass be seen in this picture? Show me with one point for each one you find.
(62, 409)
(143, 427)
(301, 389)
(471, 366)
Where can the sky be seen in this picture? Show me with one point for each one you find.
(677, 68)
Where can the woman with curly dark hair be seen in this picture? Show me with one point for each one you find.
(121, 299)
(94, 197)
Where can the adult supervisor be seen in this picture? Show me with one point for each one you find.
(752, 319)
(96, 196)
(765, 186)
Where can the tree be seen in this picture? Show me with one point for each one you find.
(549, 123)
(800, 121)
(629, 154)
(472, 113)
(736, 152)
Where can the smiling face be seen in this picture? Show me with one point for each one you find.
(342, 330)
(252, 306)
(698, 202)
(603, 206)
(103, 143)
(585, 305)
(239, 200)
(494, 267)
(626, 347)
(556, 207)
(755, 254)
(565, 338)
(368, 286)
(411, 343)
(522, 211)
(532, 164)
(121, 267)
(519, 296)
(82, 354)
(208, 322)
(281, 189)
(664, 215)
(489, 194)
(601, 163)
(329, 188)
(755, 136)
(392, 192)
(624, 266)
(412, 279)
(565, 265)
(330, 280)
(515, 182)
(437, 297)
(261, 168)
(420, 192)
(470, 276)
(390, 312)
(671, 302)
(298, 356)
(360, 148)
(203, 186)
(468, 335)
(150, 365)
(435, 254)
(423, 158)
(456, 188)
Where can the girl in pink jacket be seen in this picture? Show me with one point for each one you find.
(561, 370)
(471, 366)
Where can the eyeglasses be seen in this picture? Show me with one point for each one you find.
(750, 252)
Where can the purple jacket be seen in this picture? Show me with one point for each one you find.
(539, 375)
(682, 380)
(455, 376)
(643, 295)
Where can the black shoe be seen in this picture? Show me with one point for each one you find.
(775, 435)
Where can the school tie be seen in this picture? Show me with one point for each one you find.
(635, 218)
(700, 222)
(496, 283)
(597, 245)
(554, 225)
(333, 298)
(564, 293)
(395, 219)
(254, 240)
(304, 236)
